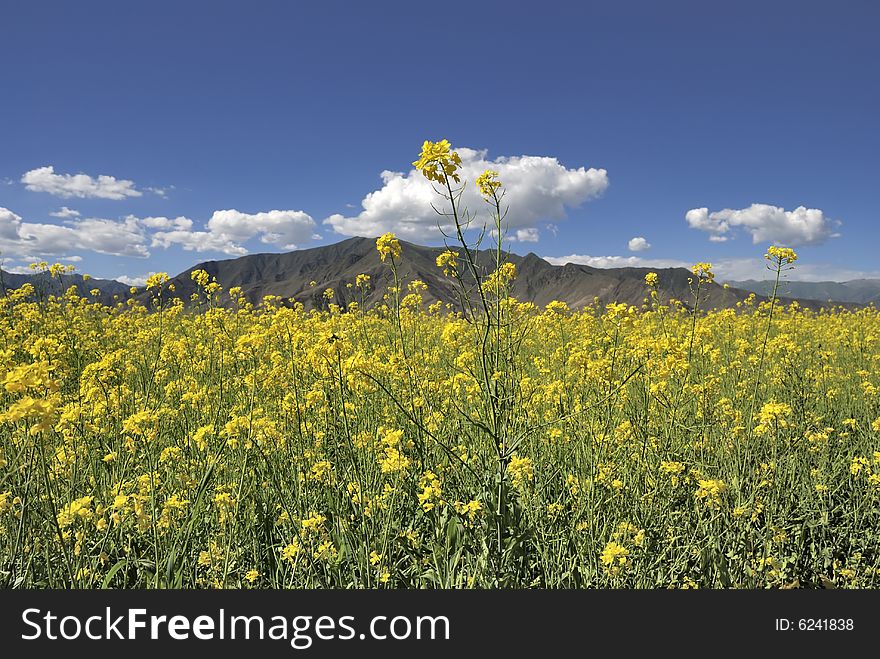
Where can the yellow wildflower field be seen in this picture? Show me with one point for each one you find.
(407, 445)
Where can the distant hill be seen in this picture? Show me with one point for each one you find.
(43, 282)
(857, 291)
(289, 275)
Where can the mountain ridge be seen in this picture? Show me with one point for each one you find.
(857, 291)
(290, 275)
(304, 275)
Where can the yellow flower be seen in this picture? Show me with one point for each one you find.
(326, 551)
(157, 280)
(703, 271)
(431, 492)
(200, 277)
(651, 279)
(252, 576)
(859, 464)
(393, 460)
(448, 261)
(289, 552)
(501, 277)
(521, 470)
(388, 245)
(488, 183)
(773, 415)
(313, 524)
(711, 490)
(76, 510)
(781, 255)
(671, 467)
(5, 501)
(437, 162)
(614, 557)
(469, 509)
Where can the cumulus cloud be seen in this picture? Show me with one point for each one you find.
(35, 239)
(44, 179)
(140, 280)
(197, 241)
(178, 223)
(17, 270)
(178, 231)
(65, 213)
(160, 192)
(638, 244)
(225, 232)
(765, 223)
(119, 238)
(285, 229)
(10, 223)
(616, 261)
(528, 235)
(539, 188)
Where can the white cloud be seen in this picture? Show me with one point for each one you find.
(197, 241)
(638, 244)
(539, 188)
(44, 179)
(140, 280)
(765, 223)
(131, 236)
(286, 229)
(65, 213)
(124, 238)
(160, 192)
(228, 229)
(178, 223)
(616, 261)
(121, 238)
(18, 270)
(10, 223)
(529, 235)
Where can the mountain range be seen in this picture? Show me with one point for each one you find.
(304, 275)
(110, 290)
(857, 291)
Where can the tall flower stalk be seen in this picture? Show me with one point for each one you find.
(779, 260)
(441, 165)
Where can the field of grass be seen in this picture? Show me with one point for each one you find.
(502, 445)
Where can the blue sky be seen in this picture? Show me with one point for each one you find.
(224, 112)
